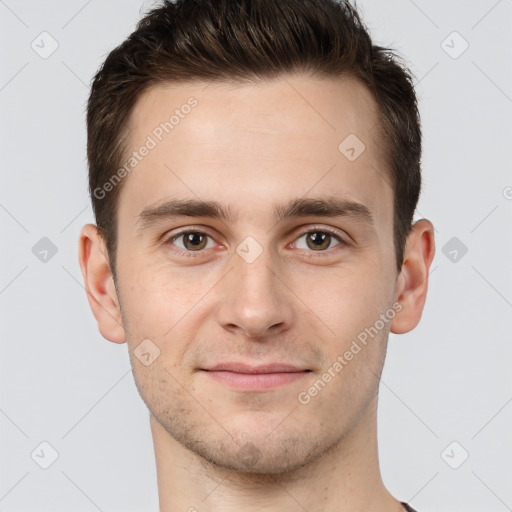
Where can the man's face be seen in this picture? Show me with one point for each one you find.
(297, 292)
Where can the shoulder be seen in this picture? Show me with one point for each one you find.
(407, 507)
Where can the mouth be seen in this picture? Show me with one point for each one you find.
(246, 377)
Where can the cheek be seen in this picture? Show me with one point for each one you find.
(158, 305)
(345, 299)
(151, 293)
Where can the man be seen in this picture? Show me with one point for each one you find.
(254, 171)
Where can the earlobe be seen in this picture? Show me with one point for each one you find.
(99, 284)
(412, 283)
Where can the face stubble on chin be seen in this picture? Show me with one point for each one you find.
(258, 434)
(200, 314)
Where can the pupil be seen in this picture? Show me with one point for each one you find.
(318, 239)
(194, 238)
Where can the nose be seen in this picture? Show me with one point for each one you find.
(254, 301)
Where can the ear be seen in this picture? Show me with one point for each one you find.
(412, 283)
(99, 284)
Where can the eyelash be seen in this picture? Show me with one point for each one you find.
(192, 254)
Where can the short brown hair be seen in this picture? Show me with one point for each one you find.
(247, 40)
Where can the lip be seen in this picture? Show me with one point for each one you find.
(251, 369)
(246, 377)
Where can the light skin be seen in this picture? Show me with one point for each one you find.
(251, 147)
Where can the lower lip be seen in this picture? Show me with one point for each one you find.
(255, 381)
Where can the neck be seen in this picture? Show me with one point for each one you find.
(344, 479)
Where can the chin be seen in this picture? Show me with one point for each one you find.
(258, 454)
(250, 460)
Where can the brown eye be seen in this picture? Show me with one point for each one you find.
(318, 241)
(192, 240)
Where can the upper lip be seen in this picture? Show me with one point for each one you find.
(264, 368)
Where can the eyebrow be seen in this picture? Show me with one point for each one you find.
(330, 206)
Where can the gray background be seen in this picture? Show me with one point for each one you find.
(446, 381)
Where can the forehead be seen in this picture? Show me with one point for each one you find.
(249, 145)
(329, 108)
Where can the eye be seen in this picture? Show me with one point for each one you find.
(192, 241)
(318, 240)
